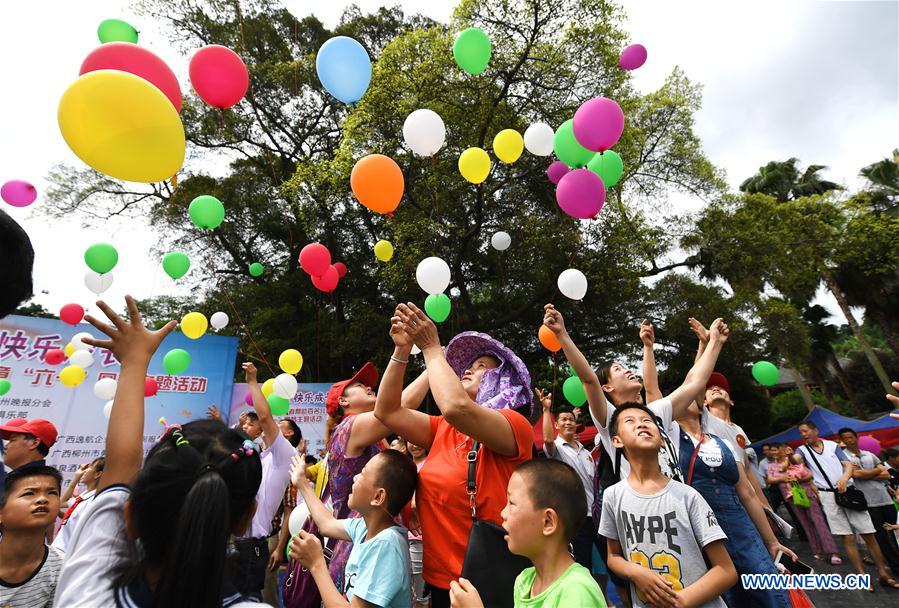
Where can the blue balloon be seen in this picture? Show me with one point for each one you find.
(344, 68)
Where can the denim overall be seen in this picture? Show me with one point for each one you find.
(744, 544)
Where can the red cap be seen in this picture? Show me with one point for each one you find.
(40, 428)
(367, 375)
(718, 379)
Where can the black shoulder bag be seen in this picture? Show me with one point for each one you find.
(489, 564)
(852, 498)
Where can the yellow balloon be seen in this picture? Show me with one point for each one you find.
(123, 126)
(474, 165)
(69, 349)
(383, 251)
(194, 325)
(291, 361)
(508, 145)
(268, 387)
(72, 375)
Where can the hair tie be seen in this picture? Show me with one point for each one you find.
(205, 468)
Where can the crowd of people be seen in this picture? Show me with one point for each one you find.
(458, 509)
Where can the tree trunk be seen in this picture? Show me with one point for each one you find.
(803, 388)
(847, 386)
(857, 330)
(888, 333)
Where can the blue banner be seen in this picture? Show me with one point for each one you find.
(77, 413)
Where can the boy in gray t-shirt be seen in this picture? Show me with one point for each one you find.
(661, 532)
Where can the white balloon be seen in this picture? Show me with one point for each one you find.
(105, 388)
(97, 283)
(218, 320)
(285, 386)
(107, 409)
(77, 344)
(573, 284)
(433, 275)
(424, 132)
(298, 516)
(415, 349)
(538, 139)
(82, 358)
(501, 240)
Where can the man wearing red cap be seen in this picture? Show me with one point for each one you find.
(26, 442)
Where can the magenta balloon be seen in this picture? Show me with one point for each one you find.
(248, 398)
(137, 60)
(869, 444)
(557, 171)
(315, 259)
(632, 57)
(598, 124)
(219, 76)
(18, 193)
(581, 194)
(328, 281)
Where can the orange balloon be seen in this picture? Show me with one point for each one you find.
(377, 181)
(548, 339)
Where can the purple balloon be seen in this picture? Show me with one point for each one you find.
(248, 398)
(557, 171)
(598, 124)
(581, 194)
(632, 57)
(18, 193)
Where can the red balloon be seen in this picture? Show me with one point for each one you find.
(150, 387)
(328, 281)
(71, 314)
(315, 259)
(219, 76)
(341, 269)
(137, 60)
(54, 356)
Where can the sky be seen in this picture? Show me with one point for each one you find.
(815, 80)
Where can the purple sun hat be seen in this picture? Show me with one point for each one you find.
(505, 387)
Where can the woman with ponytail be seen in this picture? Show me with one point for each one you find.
(158, 535)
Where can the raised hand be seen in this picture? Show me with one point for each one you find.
(249, 371)
(398, 334)
(298, 470)
(129, 341)
(546, 399)
(553, 319)
(894, 399)
(418, 326)
(647, 333)
(699, 329)
(213, 412)
(719, 331)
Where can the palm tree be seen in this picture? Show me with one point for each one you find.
(823, 358)
(783, 181)
(883, 178)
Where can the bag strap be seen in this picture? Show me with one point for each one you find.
(472, 485)
(811, 452)
(693, 460)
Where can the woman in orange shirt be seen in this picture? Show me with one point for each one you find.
(483, 392)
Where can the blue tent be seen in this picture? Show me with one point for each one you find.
(884, 422)
(828, 424)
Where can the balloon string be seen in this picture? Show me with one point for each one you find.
(555, 370)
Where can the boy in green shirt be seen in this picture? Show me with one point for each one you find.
(545, 507)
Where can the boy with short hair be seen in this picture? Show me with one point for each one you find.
(29, 569)
(378, 569)
(661, 532)
(546, 506)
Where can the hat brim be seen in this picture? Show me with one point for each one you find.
(463, 350)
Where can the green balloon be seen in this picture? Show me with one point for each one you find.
(116, 30)
(207, 212)
(101, 258)
(256, 269)
(176, 361)
(176, 264)
(574, 391)
(765, 373)
(5, 385)
(280, 406)
(471, 50)
(438, 307)
(608, 166)
(568, 149)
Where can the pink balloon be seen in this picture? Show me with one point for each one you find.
(557, 171)
(870, 444)
(248, 398)
(598, 124)
(219, 76)
(328, 281)
(632, 57)
(315, 259)
(581, 194)
(18, 193)
(137, 60)
(341, 269)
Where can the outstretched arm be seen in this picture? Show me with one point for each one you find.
(327, 524)
(650, 374)
(546, 400)
(698, 376)
(270, 430)
(133, 345)
(552, 318)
